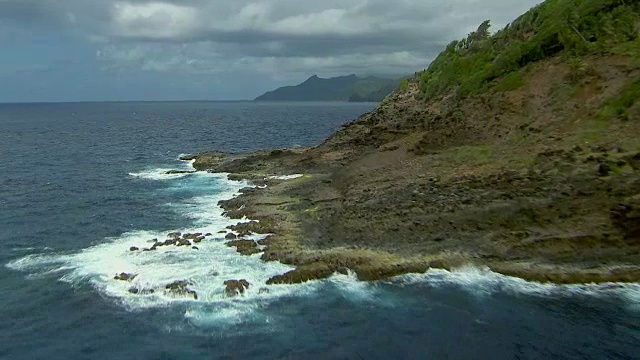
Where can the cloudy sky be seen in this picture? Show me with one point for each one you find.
(88, 50)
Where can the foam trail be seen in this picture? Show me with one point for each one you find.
(161, 173)
(157, 174)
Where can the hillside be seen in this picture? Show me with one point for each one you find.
(343, 88)
(516, 151)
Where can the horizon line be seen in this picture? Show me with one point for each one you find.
(114, 101)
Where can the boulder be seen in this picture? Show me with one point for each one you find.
(181, 288)
(236, 287)
(195, 248)
(207, 234)
(170, 242)
(174, 234)
(626, 216)
(230, 236)
(183, 242)
(198, 239)
(125, 276)
(173, 172)
(133, 248)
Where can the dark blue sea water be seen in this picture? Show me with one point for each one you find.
(81, 183)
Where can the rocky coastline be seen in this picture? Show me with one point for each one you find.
(525, 182)
(299, 214)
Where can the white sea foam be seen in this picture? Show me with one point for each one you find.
(484, 282)
(286, 177)
(206, 268)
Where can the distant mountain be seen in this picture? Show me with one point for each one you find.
(342, 88)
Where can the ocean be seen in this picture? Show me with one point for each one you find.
(82, 183)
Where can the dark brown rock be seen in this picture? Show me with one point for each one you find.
(183, 242)
(603, 169)
(303, 273)
(174, 234)
(125, 276)
(169, 242)
(230, 236)
(236, 287)
(191, 236)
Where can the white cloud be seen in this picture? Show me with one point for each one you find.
(154, 20)
(273, 37)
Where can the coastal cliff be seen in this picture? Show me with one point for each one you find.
(517, 151)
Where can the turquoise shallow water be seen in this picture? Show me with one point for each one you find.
(81, 183)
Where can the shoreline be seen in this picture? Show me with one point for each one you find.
(286, 209)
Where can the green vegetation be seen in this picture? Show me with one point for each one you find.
(624, 106)
(403, 85)
(511, 82)
(571, 27)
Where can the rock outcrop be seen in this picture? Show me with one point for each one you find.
(180, 288)
(236, 287)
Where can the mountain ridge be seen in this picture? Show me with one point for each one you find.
(340, 88)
